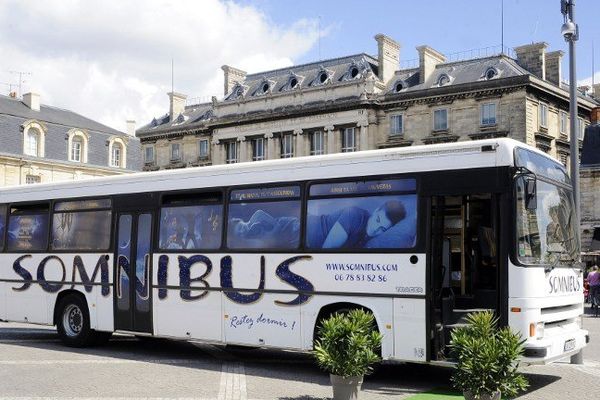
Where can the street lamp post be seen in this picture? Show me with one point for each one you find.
(570, 31)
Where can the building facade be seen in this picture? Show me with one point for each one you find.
(47, 144)
(363, 102)
(590, 192)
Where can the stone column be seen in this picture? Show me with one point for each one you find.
(363, 135)
(270, 146)
(243, 150)
(299, 143)
(330, 131)
(218, 155)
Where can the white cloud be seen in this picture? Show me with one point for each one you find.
(111, 60)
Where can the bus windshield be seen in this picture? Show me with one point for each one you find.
(546, 235)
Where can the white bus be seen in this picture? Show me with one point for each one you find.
(257, 253)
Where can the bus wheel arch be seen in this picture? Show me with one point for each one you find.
(72, 320)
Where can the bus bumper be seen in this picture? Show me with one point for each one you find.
(556, 347)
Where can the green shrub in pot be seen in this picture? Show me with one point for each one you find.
(487, 358)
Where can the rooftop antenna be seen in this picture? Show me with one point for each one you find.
(21, 81)
(172, 77)
(319, 38)
(502, 28)
(10, 86)
(593, 69)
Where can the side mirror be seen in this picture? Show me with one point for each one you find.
(530, 193)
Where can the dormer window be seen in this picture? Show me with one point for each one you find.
(263, 88)
(292, 83)
(398, 86)
(443, 80)
(352, 73)
(323, 77)
(491, 73)
(236, 92)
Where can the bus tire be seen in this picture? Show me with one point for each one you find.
(73, 322)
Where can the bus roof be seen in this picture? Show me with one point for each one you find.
(447, 156)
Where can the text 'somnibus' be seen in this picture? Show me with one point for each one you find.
(258, 253)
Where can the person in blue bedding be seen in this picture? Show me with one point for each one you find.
(350, 227)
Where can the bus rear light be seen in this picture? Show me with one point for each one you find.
(536, 330)
(515, 309)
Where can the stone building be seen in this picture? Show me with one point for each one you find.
(41, 143)
(362, 102)
(590, 192)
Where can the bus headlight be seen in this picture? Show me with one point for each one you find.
(539, 330)
(536, 330)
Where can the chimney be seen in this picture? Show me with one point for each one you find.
(130, 127)
(232, 76)
(177, 104)
(388, 55)
(429, 58)
(596, 90)
(32, 100)
(532, 57)
(553, 66)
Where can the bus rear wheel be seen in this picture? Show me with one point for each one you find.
(73, 322)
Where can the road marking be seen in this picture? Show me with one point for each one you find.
(107, 398)
(215, 351)
(100, 361)
(233, 382)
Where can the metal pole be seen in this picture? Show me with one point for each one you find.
(571, 34)
(574, 140)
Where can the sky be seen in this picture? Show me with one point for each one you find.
(110, 60)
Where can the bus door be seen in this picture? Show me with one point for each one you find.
(133, 271)
(465, 241)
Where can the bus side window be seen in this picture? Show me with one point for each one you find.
(362, 214)
(28, 228)
(81, 225)
(81, 230)
(191, 227)
(191, 221)
(2, 225)
(264, 218)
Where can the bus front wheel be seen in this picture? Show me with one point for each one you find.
(73, 322)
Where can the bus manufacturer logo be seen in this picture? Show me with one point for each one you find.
(564, 284)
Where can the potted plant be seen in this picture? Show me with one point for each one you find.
(346, 347)
(487, 358)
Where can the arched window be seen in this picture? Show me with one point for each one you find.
(32, 142)
(76, 148)
(117, 153)
(78, 145)
(34, 134)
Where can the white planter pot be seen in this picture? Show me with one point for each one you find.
(485, 396)
(345, 388)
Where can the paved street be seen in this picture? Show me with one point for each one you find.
(33, 364)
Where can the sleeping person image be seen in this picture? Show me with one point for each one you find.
(348, 227)
(352, 227)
